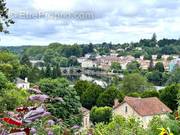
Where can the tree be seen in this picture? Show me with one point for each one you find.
(13, 98)
(107, 97)
(56, 72)
(134, 94)
(147, 57)
(3, 82)
(69, 108)
(153, 40)
(174, 77)
(150, 93)
(155, 77)
(90, 96)
(151, 65)
(135, 83)
(9, 64)
(48, 72)
(169, 96)
(159, 56)
(101, 114)
(73, 62)
(115, 66)
(25, 60)
(5, 20)
(159, 67)
(133, 66)
(121, 126)
(156, 122)
(81, 86)
(35, 74)
(25, 71)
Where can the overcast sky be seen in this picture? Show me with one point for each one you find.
(96, 21)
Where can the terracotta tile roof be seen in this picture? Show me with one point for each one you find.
(147, 106)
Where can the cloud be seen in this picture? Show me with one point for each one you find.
(116, 20)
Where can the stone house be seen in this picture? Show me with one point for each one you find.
(142, 108)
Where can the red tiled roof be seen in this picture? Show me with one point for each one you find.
(147, 106)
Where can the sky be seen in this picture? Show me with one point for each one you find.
(40, 22)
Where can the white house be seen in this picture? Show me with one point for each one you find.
(22, 84)
(88, 64)
(142, 108)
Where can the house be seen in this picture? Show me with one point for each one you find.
(173, 64)
(88, 64)
(39, 63)
(22, 84)
(142, 108)
(154, 57)
(86, 117)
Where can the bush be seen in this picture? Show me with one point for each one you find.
(101, 114)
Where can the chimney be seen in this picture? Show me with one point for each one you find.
(116, 102)
(26, 80)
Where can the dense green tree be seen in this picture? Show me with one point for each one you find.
(13, 98)
(115, 66)
(73, 62)
(159, 67)
(135, 83)
(25, 60)
(69, 108)
(147, 57)
(9, 64)
(5, 20)
(34, 75)
(174, 77)
(165, 42)
(107, 97)
(3, 82)
(101, 114)
(120, 126)
(90, 96)
(56, 72)
(34, 52)
(151, 65)
(157, 122)
(150, 93)
(25, 71)
(153, 42)
(134, 94)
(133, 66)
(169, 96)
(155, 77)
(159, 56)
(81, 86)
(48, 72)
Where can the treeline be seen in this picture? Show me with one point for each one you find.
(56, 53)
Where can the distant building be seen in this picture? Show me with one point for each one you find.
(144, 64)
(173, 64)
(143, 108)
(22, 84)
(159, 87)
(39, 63)
(165, 57)
(86, 117)
(154, 57)
(88, 64)
(139, 48)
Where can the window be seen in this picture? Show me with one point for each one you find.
(126, 109)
